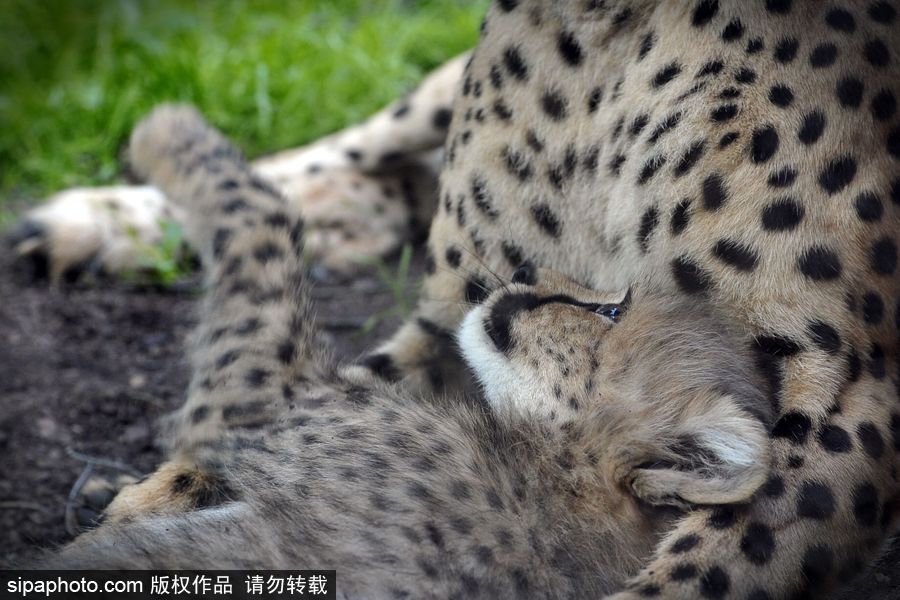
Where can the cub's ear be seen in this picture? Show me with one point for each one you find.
(712, 453)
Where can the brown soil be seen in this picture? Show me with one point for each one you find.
(91, 369)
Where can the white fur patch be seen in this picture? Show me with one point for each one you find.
(509, 390)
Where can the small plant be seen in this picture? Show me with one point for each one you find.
(397, 282)
(165, 262)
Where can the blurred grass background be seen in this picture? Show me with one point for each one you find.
(75, 75)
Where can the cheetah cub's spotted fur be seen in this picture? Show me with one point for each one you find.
(280, 462)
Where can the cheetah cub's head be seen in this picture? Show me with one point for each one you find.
(658, 388)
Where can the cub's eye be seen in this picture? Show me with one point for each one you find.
(610, 311)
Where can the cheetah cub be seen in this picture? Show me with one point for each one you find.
(553, 490)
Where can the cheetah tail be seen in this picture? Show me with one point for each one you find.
(256, 326)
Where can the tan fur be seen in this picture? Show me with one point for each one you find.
(595, 193)
(278, 461)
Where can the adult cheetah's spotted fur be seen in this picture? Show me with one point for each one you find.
(749, 154)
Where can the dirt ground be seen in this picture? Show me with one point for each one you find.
(88, 370)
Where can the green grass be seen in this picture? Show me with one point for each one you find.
(77, 74)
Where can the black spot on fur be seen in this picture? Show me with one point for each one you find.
(502, 111)
(793, 426)
(733, 253)
(637, 126)
(840, 20)
(570, 49)
(782, 178)
(594, 99)
(476, 290)
(774, 487)
(514, 63)
(516, 164)
(876, 53)
(256, 377)
(883, 105)
(685, 543)
(865, 505)
(722, 113)
(546, 219)
(884, 256)
(722, 518)
(220, 242)
(513, 254)
(684, 572)
(817, 565)
(824, 336)
(782, 215)
(835, 439)
(786, 50)
(815, 501)
(689, 158)
(873, 308)
(649, 221)
(681, 216)
(819, 264)
(713, 67)
(714, 192)
(494, 500)
(893, 142)
(733, 31)
(227, 358)
(776, 345)
(441, 118)
(666, 74)
(781, 95)
(482, 198)
(849, 92)
(554, 105)
(745, 76)
(646, 45)
(650, 168)
(870, 438)
(882, 12)
(758, 543)
(533, 141)
(704, 12)
(669, 123)
(868, 207)
(691, 278)
(715, 583)
(182, 483)
(823, 56)
(763, 144)
(266, 252)
(382, 365)
(235, 205)
(876, 362)
(728, 139)
(286, 352)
